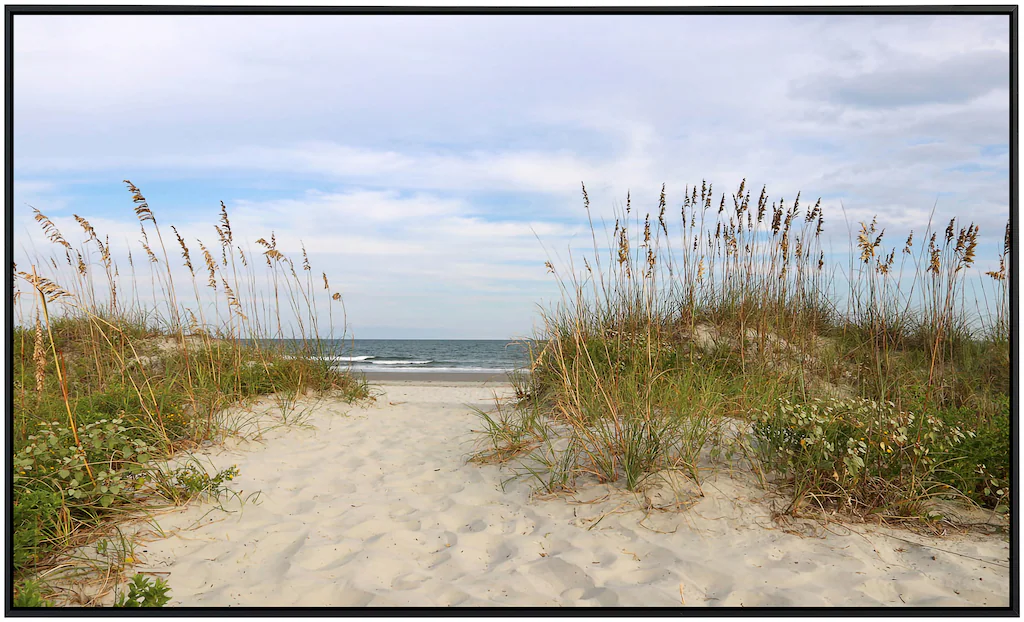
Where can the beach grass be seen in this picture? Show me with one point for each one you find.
(120, 366)
(872, 387)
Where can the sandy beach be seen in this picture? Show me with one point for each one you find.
(376, 505)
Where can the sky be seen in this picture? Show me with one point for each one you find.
(430, 165)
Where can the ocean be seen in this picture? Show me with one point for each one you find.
(429, 355)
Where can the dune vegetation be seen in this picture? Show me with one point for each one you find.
(117, 368)
(872, 385)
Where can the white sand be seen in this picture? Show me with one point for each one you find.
(377, 506)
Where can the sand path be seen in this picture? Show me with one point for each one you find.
(376, 506)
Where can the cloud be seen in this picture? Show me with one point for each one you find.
(954, 80)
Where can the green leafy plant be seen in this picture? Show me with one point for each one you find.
(142, 592)
(191, 480)
(27, 595)
(114, 450)
(857, 453)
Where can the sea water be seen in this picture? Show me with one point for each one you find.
(429, 355)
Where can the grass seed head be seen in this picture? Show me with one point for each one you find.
(142, 210)
(89, 231)
(228, 235)
(39, 355)
(211, 266)
(49, 229)
(934, 264)
(184, 251)
(999, 275)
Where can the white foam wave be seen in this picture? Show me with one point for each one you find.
(431, 370)
(351, 358)
(400, 362)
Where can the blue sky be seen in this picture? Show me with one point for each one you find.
(420, 158)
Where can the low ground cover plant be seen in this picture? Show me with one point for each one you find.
(858, 454)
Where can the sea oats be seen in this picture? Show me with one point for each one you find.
(232, 300)
(934, 254)
(661, 209)
(762, 203)
(51, 231)
(971, 246)
(39, 355)
(228, 235)
(184, 251)
(89, 231)
(47, 288)
(104, 251)
(223, 245)
(864, 244)
(623, 247)
(211, 265)
(909, 243)
(999, 275)
(141, 206)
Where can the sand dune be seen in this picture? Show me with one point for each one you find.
(376, 506)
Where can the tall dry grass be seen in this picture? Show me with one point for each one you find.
(110, 378)
(676, 325)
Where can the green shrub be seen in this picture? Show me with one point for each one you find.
(100, 470)
(856, 453)
(982, 470)
(34, 514)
